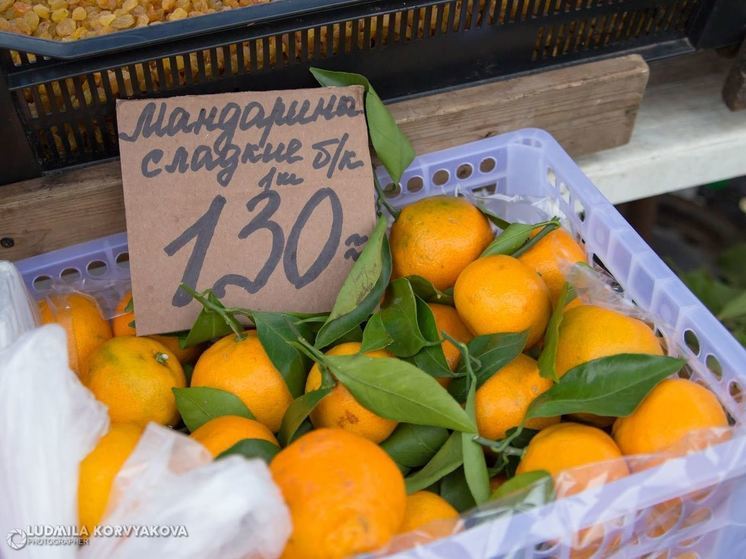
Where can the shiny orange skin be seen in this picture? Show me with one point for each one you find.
(186, 355)
(671, 410)
(502, 401)
(99, 468)
(134, 377)
(340, 409)
(551, 257)
(425, 508)
(501, 294)
(577, 456)
(447, 320)
(437, 237)
(345, 494)
(589, 332)
(221, 433)
(120, 322)
(120, 325)
(86, 328)
(243, 368)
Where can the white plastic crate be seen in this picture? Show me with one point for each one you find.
(527, 176)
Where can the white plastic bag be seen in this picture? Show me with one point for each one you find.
(18, 313)
(224, 509)
(48, 423)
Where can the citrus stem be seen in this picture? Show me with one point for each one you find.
(498, 446)
(382, 198)
(308, 350)
(161, 357)
(327, 379)
(218, 308)
(464, 350)
(247, 313)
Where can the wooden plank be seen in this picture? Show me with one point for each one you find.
(40, 215)
(587, 107)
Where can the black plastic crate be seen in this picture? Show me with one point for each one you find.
(57, 100)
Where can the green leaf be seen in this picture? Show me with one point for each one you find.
(361, 292)
(252, 448)
(275, 331)
(199, 404)
(510, 240)
(397, 390)
(516, 238)
(390, 144)
(399, 318)
(530, 489)
(735, 308)
(412, 446)
(548, 354)
(475, 467)
(493, 351)
(427, 291)
(611, 386)
(446, 460)
(354, 335)
(546, 228)
(208, 325)
(298, 411)
(492, 216)
(430, 358)
(455, 490)
(375, 335)
(130, 307)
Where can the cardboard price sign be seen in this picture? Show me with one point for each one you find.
(265, 197)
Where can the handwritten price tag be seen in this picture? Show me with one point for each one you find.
(265, 197)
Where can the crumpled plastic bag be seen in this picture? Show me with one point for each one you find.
(18, 313)
(49, 422)
(229, 508)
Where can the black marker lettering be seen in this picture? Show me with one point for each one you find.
(261, 221)
(157, 119)
(285, 179)
(180, 163)
(152, 156)
(290, 259)
(202, 231)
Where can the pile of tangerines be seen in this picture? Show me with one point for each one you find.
(342, 471)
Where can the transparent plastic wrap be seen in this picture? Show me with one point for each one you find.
(18, 313)
(628, 517)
